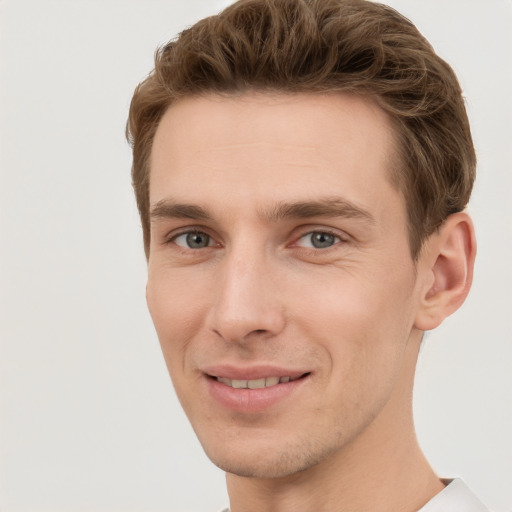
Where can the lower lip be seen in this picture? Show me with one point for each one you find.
(251, 400)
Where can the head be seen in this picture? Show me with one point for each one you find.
(300, 170)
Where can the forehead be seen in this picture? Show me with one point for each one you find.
(263, 147)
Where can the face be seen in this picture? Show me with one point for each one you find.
(280, 279)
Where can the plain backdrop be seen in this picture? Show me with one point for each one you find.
(88, 418)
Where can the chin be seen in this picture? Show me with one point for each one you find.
(263, 467)
(278, 459)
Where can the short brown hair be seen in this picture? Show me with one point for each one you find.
(297, 46)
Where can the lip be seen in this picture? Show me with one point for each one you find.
(252, 401)
(252, 372)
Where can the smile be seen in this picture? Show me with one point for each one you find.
(232, 389)
(255, 383)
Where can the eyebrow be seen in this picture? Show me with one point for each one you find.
(326, 207)
(167, 209)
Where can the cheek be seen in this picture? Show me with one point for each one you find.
(176, 310)
(362, 321)
(365, 302)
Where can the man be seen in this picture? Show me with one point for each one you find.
(301, 170)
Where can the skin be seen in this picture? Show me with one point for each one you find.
(259, 292)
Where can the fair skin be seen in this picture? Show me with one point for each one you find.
(279, 251)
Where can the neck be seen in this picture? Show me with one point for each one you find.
(382, 470)
(400, 483)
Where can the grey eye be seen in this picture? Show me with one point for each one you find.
(318, 240)
(193, 240)
(322, 240)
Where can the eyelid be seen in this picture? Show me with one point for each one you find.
(309, 230)
(170, 237)
(303, 231)
(309, 246)
(207, 238)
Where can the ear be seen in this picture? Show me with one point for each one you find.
(445, 270)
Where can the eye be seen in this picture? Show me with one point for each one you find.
(318, 240)
(193, 240)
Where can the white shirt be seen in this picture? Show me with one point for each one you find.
(455, 497)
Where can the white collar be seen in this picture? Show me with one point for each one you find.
(455, 497)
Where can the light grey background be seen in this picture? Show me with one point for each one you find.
(88, 418)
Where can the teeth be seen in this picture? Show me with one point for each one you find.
(271, 381)
(255, 383)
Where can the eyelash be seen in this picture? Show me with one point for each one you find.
(338, 239)
(171, 239)
(193, 231)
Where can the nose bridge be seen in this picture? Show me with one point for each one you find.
(247, 302)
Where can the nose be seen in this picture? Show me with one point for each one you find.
(247, 304)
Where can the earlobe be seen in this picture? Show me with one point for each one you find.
(447, 270)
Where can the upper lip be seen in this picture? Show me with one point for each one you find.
(251, 372)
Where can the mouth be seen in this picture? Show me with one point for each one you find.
(253, 390)
(264, 382)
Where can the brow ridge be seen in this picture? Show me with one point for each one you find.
(166, 209)
(326, 207)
